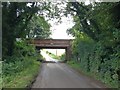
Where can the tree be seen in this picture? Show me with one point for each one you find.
(16, 17)
(38, 28)
(99, 22)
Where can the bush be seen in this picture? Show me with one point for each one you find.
(24, 58)
(98, 60)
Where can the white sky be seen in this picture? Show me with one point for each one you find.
(59, 31)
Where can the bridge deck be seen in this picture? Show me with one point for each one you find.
(54, 44)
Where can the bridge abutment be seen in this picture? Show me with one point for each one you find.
(68, 53)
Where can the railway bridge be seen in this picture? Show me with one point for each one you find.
(54, 44)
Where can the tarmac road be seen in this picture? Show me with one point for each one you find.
(60, 75)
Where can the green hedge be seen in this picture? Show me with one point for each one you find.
(98, 60)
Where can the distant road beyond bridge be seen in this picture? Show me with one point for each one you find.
(54, 44)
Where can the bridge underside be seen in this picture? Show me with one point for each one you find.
(67, 52)
(48, 47)
(54, 44)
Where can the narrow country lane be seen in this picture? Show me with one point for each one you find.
(60, 75)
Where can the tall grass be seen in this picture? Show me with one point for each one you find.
(20, 73)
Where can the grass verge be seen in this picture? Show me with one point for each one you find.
(23, 78)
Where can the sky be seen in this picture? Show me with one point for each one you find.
(59, 31)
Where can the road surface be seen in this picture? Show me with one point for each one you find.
(60, 75)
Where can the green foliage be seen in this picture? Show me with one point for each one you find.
(96, 47)
(18, 66)
(15, 19)
(22, 48)
(62, 57)
(38, 28)
(20, 73)
(20, 20)
(20, 63)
